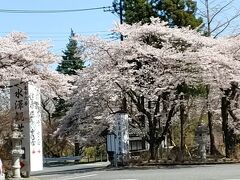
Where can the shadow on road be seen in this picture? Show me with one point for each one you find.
(70, 168)
(157, 167)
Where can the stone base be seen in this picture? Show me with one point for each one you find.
(2, 177)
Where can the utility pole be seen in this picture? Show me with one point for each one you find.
(121, 15)
(124, 100)
(208, 19)
(118, 9)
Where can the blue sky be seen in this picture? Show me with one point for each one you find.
(225, 15)
(57, 26)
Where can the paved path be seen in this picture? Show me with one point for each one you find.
(71, 168)
(203, 172)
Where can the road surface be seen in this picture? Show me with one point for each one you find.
(202, 172)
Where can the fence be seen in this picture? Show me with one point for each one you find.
(61, 159)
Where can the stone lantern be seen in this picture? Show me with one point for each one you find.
(16, 152)
(201, 139)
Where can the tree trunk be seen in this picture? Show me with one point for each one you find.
(152, 145)
(76, 149)
(213, 149)
(182, 117)
(224, 112)
(124, 103)
(152, 150)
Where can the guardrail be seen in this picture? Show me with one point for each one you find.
(61, 159)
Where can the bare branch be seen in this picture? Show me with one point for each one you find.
(220, 10)
(226, 24)
(212, 14)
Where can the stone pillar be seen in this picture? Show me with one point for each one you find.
(17, 152)
(2, 176)
(201, 135)
(202, 149)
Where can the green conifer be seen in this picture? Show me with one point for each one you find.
(71, 63)
(179, 13)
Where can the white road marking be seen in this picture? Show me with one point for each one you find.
(231, 179)
(125, 179)
(44, 175)
(85, 176)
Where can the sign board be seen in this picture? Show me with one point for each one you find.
(26, 112)
(121, 131)
(118, 139)
(111, 144)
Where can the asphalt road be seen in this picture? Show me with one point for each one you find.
(203, 172)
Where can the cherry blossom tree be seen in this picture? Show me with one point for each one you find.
(30, 61)
(153, 63)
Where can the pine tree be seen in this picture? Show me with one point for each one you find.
(179, 13)
(138, 10)
(70, 63)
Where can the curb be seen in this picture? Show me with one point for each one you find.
(165, 165)
(30, 178)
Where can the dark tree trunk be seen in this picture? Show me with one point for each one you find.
(224, 112)
(168, 123)
(152, 145)
(182, 117)
(124, 104)
(229, 136)
(232, 138)
(170, 137)
(76, 149)
(153, 136)
(142, 119)
(152, 133)
(213, 149)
